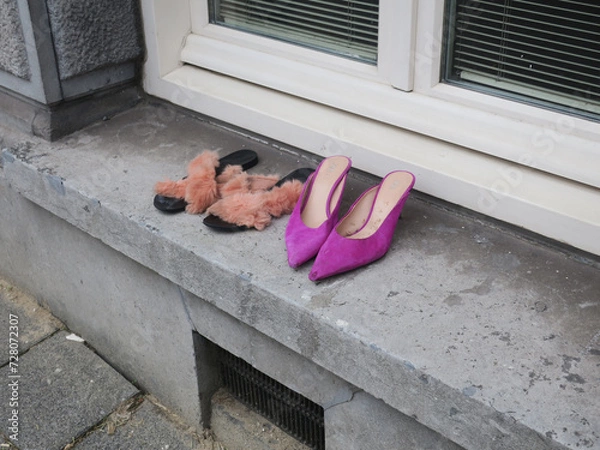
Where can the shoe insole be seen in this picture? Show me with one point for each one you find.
(318, 205)
(358, 224)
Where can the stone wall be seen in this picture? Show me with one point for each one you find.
(13, 53)
(65, 64)
(89, 35)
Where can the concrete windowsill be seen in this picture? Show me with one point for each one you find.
(480, 334)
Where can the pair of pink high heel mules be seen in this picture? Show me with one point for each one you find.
(363, 235)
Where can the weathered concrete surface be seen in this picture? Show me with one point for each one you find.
(89, 35)
(366, 422)
(487, 338)
(63, 390)
(13, 52)
(149, 426)
(62, 368)
(54, 122)
(64, 65)
(132, 317)
(22, 320)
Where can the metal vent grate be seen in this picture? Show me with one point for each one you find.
(293, 413)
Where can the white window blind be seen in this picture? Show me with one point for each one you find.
(546, 51)
(344, 28)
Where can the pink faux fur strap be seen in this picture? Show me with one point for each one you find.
(199, 188)
(202, 188)
(255, 209)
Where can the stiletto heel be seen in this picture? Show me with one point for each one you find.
(317, 210)
(365, 233)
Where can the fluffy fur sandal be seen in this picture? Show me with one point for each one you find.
(243, 183)
(199, 188)
(202, 187)
(255, 210)
(173, 200)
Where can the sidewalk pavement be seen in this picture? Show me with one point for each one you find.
(58, 394)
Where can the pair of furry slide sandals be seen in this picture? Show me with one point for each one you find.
(233, 199)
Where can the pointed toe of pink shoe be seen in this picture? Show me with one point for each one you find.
(339, 254)
(303, 243)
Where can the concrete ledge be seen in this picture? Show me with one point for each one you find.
(488, 339)
(134, 318)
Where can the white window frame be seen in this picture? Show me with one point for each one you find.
(210, 46)
(529, 166)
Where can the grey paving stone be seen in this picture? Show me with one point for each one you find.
(23, 320)
(64, 389)
(150, 428)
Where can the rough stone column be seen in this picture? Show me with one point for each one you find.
(13, 57)
(65, 64)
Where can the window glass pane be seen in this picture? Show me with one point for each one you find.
(547, 51)
(345, 28)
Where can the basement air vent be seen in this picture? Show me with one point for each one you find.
(289, 410)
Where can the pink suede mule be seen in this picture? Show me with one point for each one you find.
(317, 210)
(365, 233)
